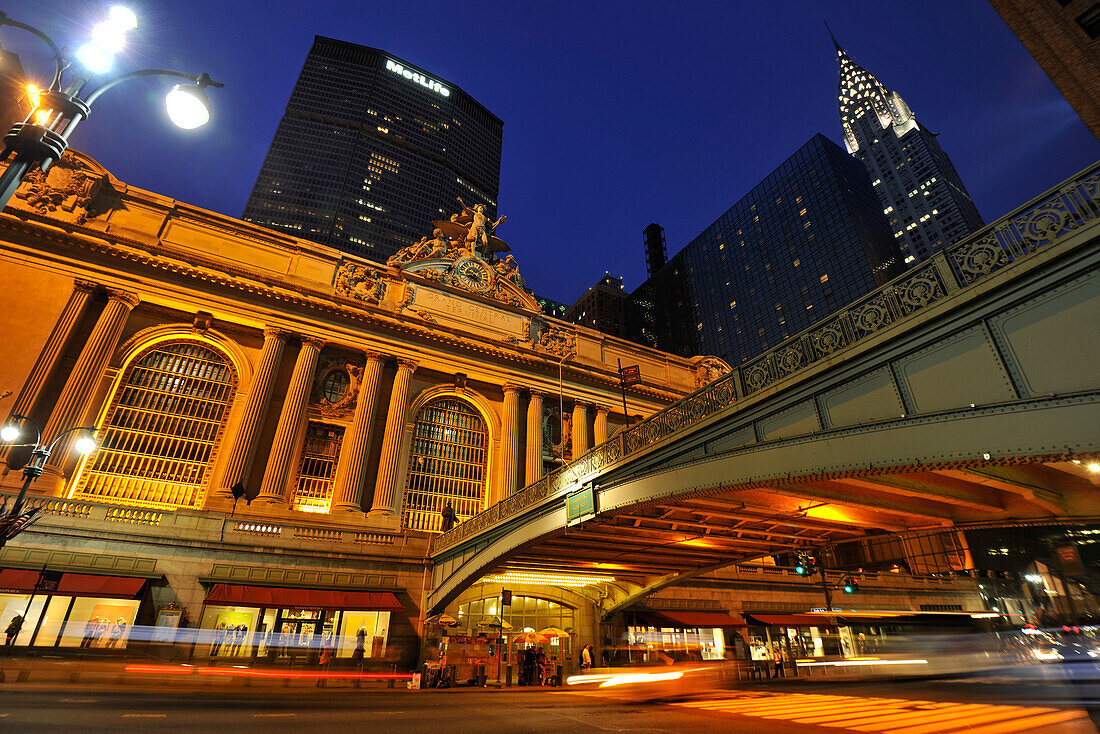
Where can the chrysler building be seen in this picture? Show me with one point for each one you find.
(922, 195)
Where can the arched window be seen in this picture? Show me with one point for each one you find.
(447, 462)
(157, 444)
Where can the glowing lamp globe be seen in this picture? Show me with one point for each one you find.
(85, 445)
(95, 58)
(188, 106)
(109, 37)
(122, 18)
(9, 433)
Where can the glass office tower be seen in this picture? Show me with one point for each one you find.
(370, 150)
(808, 239)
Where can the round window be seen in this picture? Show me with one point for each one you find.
(335, 386)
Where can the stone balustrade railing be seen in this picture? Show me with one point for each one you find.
(205, 525)
(1062, 211)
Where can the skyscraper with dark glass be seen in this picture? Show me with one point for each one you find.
(805, 241)
(370, 150)
(920, 191)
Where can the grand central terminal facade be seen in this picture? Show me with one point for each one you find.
(279, 425)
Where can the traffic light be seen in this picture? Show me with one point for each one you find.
(807, 565)
(850, 585)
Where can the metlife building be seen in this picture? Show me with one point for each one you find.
(370, 150)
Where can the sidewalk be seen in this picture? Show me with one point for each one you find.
(197, 676)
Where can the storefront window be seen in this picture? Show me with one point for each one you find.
(69, 622)
(274, 634)
(99, 623)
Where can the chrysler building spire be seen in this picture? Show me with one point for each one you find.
(921, 193)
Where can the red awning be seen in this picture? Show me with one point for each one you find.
(793, 620)
(699, 619)
(72, 584)
(272, 596)
(17, 579)
(115, 587)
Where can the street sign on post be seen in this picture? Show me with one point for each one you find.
(632, 374)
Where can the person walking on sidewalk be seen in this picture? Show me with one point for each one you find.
(12, 631)
(777, 659)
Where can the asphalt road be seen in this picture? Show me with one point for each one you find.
(982, 707)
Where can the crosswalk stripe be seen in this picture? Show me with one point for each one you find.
(784, 703)
(844, 720)
(849, 708)
(1031, 722)
(920, 717)
(965, 723)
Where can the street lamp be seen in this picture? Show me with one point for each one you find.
(41, 139)
(34, 468)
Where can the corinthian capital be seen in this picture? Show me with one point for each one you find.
(130, 299)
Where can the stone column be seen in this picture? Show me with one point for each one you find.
(534, 438)
(347, 487)
(273, 487)
(243, 444)
(75, 403)
(509, 442)
(47, 358)
(601, 424)
(386, 497)
(580, 429)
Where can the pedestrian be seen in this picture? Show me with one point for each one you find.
(327, 652)
(527, 666)
(542, 667)
(360, 646)
(777, 659)
(586, 658)
(12, 631)
(449, 516)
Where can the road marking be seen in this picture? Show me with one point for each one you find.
(272, 716)
(893, 715)
(144, 716)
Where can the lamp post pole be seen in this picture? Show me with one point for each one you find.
(41, 139)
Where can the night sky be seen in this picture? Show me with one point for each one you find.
(615, 114)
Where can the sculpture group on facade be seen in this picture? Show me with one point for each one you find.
(467, 234)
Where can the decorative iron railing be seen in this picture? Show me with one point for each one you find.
(1066, 209)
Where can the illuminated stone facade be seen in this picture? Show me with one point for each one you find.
(349, 400)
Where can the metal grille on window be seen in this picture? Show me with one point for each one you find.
(318, 467)
(158, 442)
(447, 462)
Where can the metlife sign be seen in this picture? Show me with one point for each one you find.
(418, 78)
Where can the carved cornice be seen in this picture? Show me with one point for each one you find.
(130, 299)
(172, 260)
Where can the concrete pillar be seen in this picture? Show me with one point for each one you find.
(75, 403)
(347, 487)
(47, 358)
(243, 443)
(600, 425)
(509, 442)
(273, 487)
(534, 438)
(580, 429)
(387, 499)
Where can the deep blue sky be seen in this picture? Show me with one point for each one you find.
(616, 114)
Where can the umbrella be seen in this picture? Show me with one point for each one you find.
(444, 620)
(529, 638)
(554, 632)
(497, 623)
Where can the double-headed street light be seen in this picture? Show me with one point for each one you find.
(12, 522)
(41, 139)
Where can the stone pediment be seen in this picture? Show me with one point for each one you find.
(75, 188)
